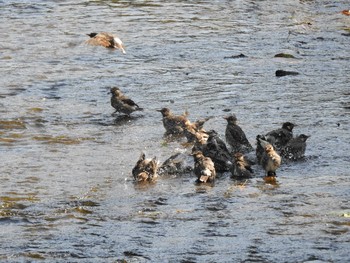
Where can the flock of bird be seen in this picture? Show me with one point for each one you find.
(211, 155)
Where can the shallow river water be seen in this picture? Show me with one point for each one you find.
(66, 190)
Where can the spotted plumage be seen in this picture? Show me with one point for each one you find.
(145, 169)
(173, 124)
(122, 103)
(241, 168)
(295, 148)
(280, 137)
(271, 160)
(235, 136)
(203, 168)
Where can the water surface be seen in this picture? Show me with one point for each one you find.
(66, 188)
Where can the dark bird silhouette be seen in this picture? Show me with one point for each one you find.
(260, 147)
(216, 149)
(270, 160)
(178, 163)
(122, 103)
(173, 124)
(145, 169)
(235, 136)
(203, 168)
(241, 168)
(280, 137)
(295, 148)
(106, 40)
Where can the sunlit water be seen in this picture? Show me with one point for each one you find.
(67, 192)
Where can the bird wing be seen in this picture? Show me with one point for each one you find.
(130, 102)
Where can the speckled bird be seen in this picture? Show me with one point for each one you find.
(178, 163)
(295, 148)
(203, 168)
(280, 137)
(271, 160)
(216, 149)
(106, 40)
(145, 169)
(235, 136)
(241, 168)
(122, 103)
(173, 124)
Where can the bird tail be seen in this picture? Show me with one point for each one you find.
(204, 178)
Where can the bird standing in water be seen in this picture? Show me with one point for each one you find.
(295, 148)
(203, 168)
(236, 137)
(122, 103)
(280, 137)
(145, 169)
(271, 161)
(216, 149)
(241, 167)
(106, 40)
(173, 124)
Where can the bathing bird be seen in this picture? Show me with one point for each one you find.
(241, 168)
(106, 40)
(173, 124)
(122, 103)
(295, 148)
(280, 137)
(270, 160)
(215, 148)
(235, 136)
(145, 169)
(203, 168)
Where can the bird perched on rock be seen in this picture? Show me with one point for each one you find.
(106, 40)
(280, 137)
(203, 168)
(241, 167)
(216, 149)
(145, 169)
(235, 136)
(122, 103)
(270, 160)
(295, 148)
(173, 124)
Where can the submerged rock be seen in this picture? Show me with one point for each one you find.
(281, 73)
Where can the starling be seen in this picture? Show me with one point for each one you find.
(280, 137)
(203, 168)
(236, 137)
(173, 124)
(216, 149)
(145, 169)
(295, 148)
(178, 163)
(106, 40)
(270, 161)
(241, 167)
(122, 103)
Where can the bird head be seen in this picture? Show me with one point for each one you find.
(231, 118)
(92, 35)
(288, 126)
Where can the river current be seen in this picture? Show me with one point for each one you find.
(66, 189)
